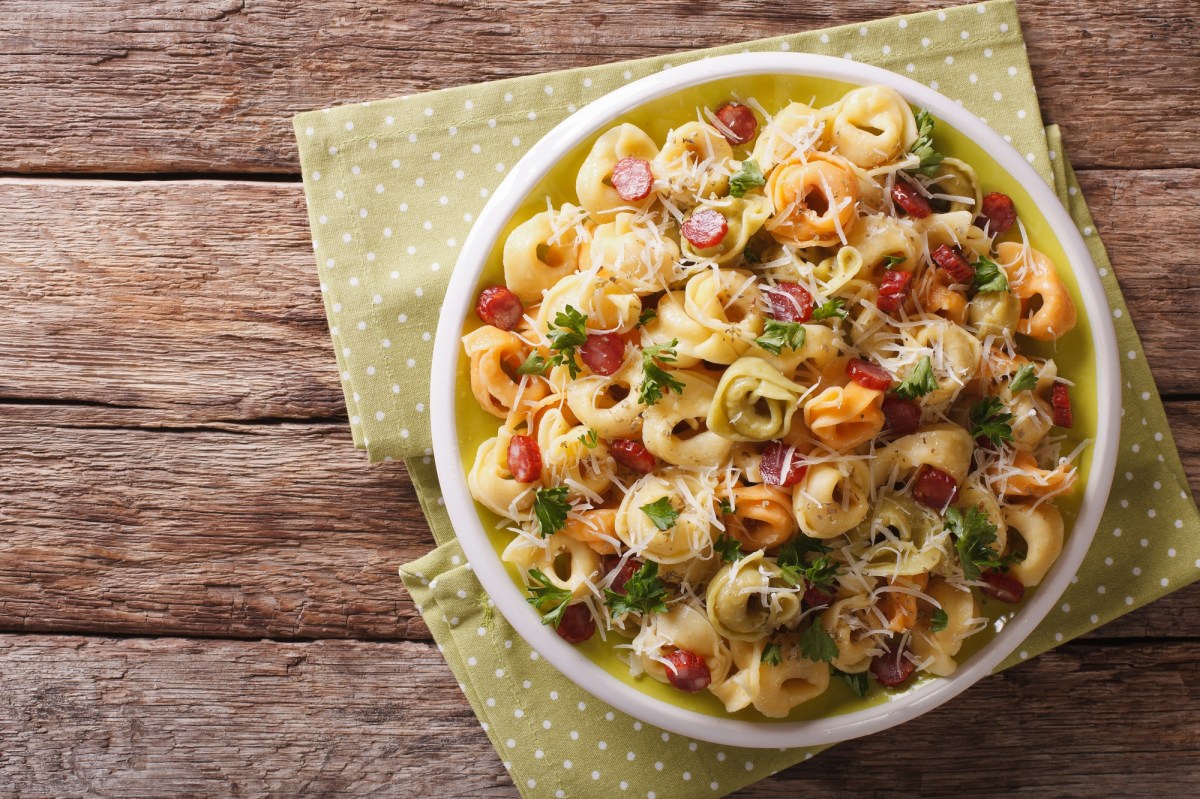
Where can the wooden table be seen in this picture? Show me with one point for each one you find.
(198, 590)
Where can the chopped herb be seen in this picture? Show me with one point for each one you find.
(725, 507)
(751, 256)
(778, 335)
(858, 682)
(989, 419)
(892, 261)
(656, 380)
(829, 310)
(939, 620)
(589, 438)
(919, 382)
(973, 535)
(567, 333)
(931, 159)
(646, 315)
(797, 571)
(747, 178)
(543, 592)
(989, 276)
(818, 645)
(728, 548)
(644, 593)
(535, 364)
(661, 512)
(1023, 380)
(550, 506)
(772, 655)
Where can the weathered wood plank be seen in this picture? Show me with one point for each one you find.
(112, 525)
(209, 86)
(201, 297)
(170, 717)
(279, 531)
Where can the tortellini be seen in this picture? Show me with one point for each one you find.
(749, 598)
(542, 250)
(753, 402)
(691, 534)
(675, 429)
(755, 429)
(873, 126)
(594, 186)
(816, 202)
(695, 163)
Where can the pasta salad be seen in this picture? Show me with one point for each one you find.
(765, 416)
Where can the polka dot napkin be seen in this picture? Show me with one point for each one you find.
(393, 188)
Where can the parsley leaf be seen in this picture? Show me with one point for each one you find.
(989, 276)
(589, 438)
(973, 536)
(931, 159)
(797, 571)
(644, 593)
(550, 506)
(772, 655)
(661, 512)
(725, 507)
(989, 419)
(817, 645)
(778, 335)
(919, 382)
(892, 261)
(858, 682)
(747, 178)
(938, 620)
(829, 310)
(535, 364)
(1023, 380)
(542, 592)
(728, 548)
(656, 380)
(567, 333)
(646, 315)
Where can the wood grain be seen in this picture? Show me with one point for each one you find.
(113, 525)
(200, 298)
(171, 717)
(210, 85)
(252, 531)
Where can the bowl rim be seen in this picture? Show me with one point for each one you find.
(513, 190)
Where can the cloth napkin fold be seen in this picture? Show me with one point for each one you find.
(392, 190)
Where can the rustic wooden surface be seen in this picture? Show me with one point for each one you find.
(198, 591)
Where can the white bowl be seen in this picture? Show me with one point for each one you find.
(487, 566)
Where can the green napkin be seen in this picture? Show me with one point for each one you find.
(393, 188)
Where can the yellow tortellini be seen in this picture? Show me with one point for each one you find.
(543, 250)
(832, 498)
(743, 446)
(694, 164)
(636, 252)
(593, 185)
(686, 627)
(744, 217)
(726, 301)
(873, 126)
(690, 536)
(569, 564)
(772, 689)
(608, 304)
(675, 428)
(938, 648)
